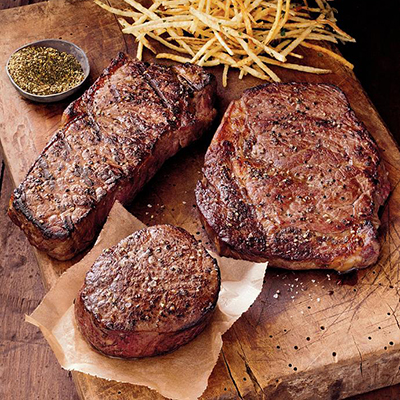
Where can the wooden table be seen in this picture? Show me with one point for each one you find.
(29, 367)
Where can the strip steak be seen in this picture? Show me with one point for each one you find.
(113, 140)
(292, 177)
(150, 294)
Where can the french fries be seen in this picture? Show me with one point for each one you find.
(242, 34)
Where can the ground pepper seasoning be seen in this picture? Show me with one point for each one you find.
(44, 70)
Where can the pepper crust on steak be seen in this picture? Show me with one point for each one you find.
(150, 294)
(292, 177)
(113, 140)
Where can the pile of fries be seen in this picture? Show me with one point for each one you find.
(244, 34)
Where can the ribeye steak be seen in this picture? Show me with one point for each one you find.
(293, 177)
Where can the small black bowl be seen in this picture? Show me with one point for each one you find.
(60, 45)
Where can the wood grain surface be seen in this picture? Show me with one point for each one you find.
(323, 337)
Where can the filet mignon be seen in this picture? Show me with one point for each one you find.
(113, 140)
(292, 177)
(150, 294)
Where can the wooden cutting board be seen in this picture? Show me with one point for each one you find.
(322, 336)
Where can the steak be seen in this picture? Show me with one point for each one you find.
(292, 177)
(150, 294)
(112, 141)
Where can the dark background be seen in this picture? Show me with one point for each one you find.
(376, 55)
(29, 368)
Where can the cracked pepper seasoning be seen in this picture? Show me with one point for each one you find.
(44, 70)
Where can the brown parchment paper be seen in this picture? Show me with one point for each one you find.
(182, 374)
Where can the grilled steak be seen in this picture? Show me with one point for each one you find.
(293, 177)
(150, 294)
(113, 140)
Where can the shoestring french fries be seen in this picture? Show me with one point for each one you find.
(243, 34)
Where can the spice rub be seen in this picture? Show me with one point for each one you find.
(44, 70)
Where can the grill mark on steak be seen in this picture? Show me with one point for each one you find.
(153, 292)
(293, 177)
(154, 81)
(114, 138)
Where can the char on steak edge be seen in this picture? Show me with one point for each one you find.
(150, 294)
(292, 177)
(113, 140)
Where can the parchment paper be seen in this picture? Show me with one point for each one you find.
(182, 374)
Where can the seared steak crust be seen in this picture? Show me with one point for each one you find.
(294, 178)
(153, 292)
(113, 140)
